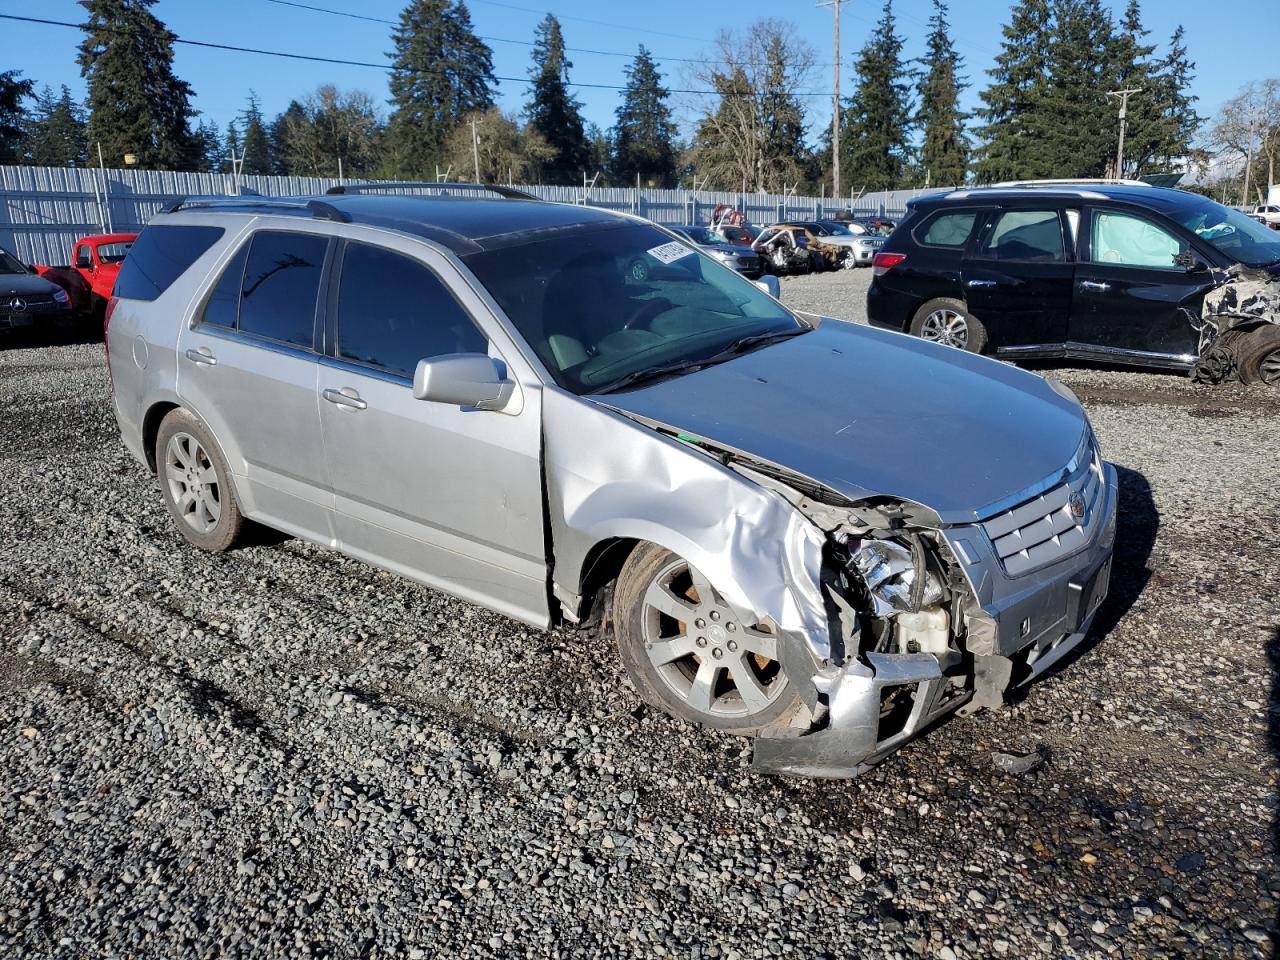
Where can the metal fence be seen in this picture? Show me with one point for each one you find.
(43, 210)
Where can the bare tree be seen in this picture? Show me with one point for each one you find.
(1248, 125)
(337, 131)
(750, 133)
(501, 149)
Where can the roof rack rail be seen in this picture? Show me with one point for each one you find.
(1073, 182)
(318, 209)
(507, 193)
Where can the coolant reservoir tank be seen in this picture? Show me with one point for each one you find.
(925, 632)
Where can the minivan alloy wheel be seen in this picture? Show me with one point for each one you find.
(946, 327)
(702, 652)
(193, 482)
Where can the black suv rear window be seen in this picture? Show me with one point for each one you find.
(947, 229)
(159, 257)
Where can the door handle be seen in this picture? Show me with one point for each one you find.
(982, 283)
(342, 399)
(202, 356)
(1097, 285)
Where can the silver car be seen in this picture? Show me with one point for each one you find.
(815, 533)
(734, 256)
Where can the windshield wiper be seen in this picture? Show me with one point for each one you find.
(652, 373)
(743, 344)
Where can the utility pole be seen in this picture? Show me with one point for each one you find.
(1124, 96)
(475, 148)
(835, 97)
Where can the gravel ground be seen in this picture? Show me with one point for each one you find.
(278, 752)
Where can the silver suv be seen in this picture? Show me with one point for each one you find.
(816, 533)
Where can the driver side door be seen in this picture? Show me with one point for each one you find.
(1131, 299)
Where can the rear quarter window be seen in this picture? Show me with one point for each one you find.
(944, 229)
(159, 256)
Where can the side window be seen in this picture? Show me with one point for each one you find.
(1123, 238)
(393, 312)
(280, 287)
(948, 229)
(224, 302)
(159, 256)
(1026, 235)
(83, 260)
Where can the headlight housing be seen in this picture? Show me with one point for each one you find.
(60, 296)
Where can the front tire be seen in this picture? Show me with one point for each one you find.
(1258, 355)
(949, 322)
(688, 653)
(196, 484)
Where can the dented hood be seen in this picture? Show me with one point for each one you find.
(866, 412)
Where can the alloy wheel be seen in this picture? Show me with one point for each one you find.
(946, 327)
(703, 652)
(193, 482)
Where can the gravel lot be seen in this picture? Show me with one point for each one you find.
(278, 752)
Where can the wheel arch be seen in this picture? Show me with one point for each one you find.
(151, 421)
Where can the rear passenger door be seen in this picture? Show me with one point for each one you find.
(247, 367)
(1132, 296)
(1017, 279)
(450, 496)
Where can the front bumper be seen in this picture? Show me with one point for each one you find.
(1034, 625)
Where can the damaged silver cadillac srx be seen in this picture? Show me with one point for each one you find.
(817, 534)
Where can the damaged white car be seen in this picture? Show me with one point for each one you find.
(817, 534)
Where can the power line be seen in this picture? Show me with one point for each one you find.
(522, 43)
(365, 63)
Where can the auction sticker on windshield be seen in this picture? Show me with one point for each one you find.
(669, 252)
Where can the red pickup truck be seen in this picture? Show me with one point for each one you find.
(95, 261)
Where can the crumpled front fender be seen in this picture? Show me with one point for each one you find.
(610, 477)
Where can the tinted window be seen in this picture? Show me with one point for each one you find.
(1133, 241)
(393, 312)
(225, 299)
(159, 256)
(1028, 235)
(948, 229)
(280, 287)
(83, 259)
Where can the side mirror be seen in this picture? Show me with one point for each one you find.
(769, 284)
(464, 380)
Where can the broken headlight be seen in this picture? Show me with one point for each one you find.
(895, 575)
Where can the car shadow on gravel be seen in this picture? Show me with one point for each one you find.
(1137, 524)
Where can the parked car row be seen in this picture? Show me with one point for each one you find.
(55, 297)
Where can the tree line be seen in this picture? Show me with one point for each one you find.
(1044, 110)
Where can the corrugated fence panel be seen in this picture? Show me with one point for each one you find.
(44, 210)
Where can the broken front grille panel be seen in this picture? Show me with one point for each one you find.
(1049, 526)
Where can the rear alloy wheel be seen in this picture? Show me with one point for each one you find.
(947, 322)
(688, 653)
(1258, 355)
(195, 483)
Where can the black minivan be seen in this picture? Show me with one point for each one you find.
(1104, 271)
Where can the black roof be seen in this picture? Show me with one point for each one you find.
(1162, 199)
(462, 224)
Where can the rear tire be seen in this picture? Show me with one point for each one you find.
(196, 484)
(947, 321)
(1258, 355)
(687, 654)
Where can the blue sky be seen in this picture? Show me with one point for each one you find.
(1228, 52)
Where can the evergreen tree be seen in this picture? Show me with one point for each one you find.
(136, 103)
(254, 140)
(1174, 104)
(1012, 138)
(441, 72)
(1079, 135)
(553, 111)
(599, 154)
(1135, 70)
(876, 121)
(55, 136)
(206, 148)
(644, 135)
(13, 90)
(292, 118)
(945, 151)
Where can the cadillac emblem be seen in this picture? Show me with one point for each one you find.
(1076, 503)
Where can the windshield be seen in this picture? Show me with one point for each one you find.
(113, 252)
(10, 264)
(703, 236)
(602, 304)
(739, 234)
(1230, 231)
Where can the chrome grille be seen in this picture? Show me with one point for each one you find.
(1044, 529)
